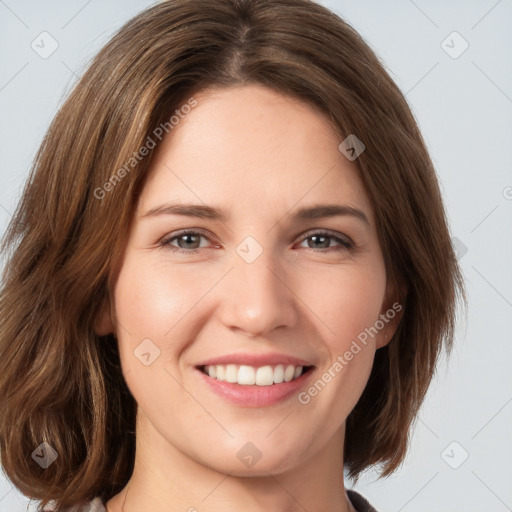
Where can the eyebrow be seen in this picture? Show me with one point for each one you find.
(319, 211)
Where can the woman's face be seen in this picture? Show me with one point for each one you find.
(261, 287)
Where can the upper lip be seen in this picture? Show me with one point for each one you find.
(257, 360)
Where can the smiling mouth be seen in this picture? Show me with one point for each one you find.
(244, 375)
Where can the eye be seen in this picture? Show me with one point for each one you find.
(190, 241)
(324, 238)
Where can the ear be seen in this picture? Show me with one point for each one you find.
(391, 312)
(103, 324)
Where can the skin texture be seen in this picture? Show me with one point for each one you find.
(260, 156)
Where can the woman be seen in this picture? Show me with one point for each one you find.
(249, 370)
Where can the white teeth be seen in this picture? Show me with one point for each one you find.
(246, 375)
(289, 373)
(278, 374)
(231, 373)
(249, 376)
(265, 376)
(220, 372)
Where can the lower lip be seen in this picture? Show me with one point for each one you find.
(255, 396)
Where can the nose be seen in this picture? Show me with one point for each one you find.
(257, 297)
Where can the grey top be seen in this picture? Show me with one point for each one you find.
(96, 505)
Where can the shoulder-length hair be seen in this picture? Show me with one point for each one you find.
(62, 384)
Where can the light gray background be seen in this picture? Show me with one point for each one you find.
(464, 108)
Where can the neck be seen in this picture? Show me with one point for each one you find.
(169, 480)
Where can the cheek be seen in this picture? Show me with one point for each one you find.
(350, 353)
(347, 300)
(363, 305)
(151, 306)
(348, 303)
(145, 311)
(163, 305)
(150, 300)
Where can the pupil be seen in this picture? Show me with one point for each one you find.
(187, 237)
(320, 237)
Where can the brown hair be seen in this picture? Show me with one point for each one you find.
(59, 381)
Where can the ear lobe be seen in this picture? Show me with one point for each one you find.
(103, 324)
(391, 313)
(392, 316)
(382, 340)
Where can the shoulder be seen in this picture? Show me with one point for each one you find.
(361, 504)
(96, 505)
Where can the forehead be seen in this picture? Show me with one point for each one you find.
(250, 147)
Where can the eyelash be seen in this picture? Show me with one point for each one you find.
(344, 244)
